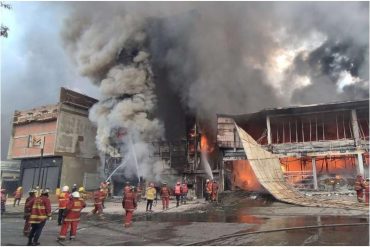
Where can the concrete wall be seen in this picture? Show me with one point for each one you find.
(75, 133)
(73, 170)
(19, 143)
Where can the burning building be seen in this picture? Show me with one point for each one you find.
(55, 143)
(321, 147)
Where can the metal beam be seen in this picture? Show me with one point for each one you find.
(314, 174)
(268, 124)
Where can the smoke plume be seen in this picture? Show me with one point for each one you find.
(157, 62)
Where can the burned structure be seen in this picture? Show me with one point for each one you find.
(321, 147)
(55, 143)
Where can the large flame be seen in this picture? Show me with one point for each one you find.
(244, 177)
(205, 145)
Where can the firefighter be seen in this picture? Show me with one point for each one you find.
(63, 199)
(3, 201)
(366, 186)
(129, 204)
(127, 188)
(184, 193)
(72, 216)
(18, 196)
(40, 212)
(27, 211)
(82, 192)
(178, 192)
(74, 188)
(165, 195)
(104, 189)
(208, 190)
(98, 209)
(214, 191)
(150, 195)
(359, 188)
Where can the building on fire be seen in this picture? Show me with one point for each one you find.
(55, 144)
(320, 147)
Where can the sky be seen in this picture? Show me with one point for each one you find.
(33, 57)
(214, 57)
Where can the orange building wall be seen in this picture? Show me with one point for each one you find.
(19, 147)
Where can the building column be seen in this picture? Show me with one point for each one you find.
(356, 134)
(314, 174)
(269, 139)
(222, 177)
(360, 164)
(355, 128)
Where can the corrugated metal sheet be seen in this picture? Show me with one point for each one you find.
(267, 169)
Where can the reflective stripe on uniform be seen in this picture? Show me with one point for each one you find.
(68, 220)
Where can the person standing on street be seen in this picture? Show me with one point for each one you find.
(165, 195)
(208, 190)
(27, 211)
(98, 209)
(18, 196)
(366, 186)
(129, 204)
(63, 199)
(214, 191)
(359, 188)
(178, 192)
(127, 188)
(150, 195)
(74, 188)
(40, 212)
(184, 194)
(72, 216)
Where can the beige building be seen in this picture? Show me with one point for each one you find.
(55, 143)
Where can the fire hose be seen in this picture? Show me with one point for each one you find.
(224, 237)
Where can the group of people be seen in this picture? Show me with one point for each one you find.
(37, 209)
(211, 190)
(362, 187)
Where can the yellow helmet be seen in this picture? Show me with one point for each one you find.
(81, 189)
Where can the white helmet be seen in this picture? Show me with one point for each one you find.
(207, 180)
(65, 188)
(76, 194)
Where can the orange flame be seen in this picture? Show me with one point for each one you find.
(244, 177)
(205, 146)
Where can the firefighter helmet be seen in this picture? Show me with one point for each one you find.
(81, 189)
(45, 191)
(65, 188)
(76, 194)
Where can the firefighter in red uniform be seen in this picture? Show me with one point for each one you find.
(63, 199)
(129, 204)
(214, 191)
(366, 186)
(184, 194)
(127, 188)
(40, 212)
(208, 190)
(18, 196)
(178, 193)
(359, 188)
(165, 195)
(27, 211)
(104, 190)
(72, 216)
(98, 209)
